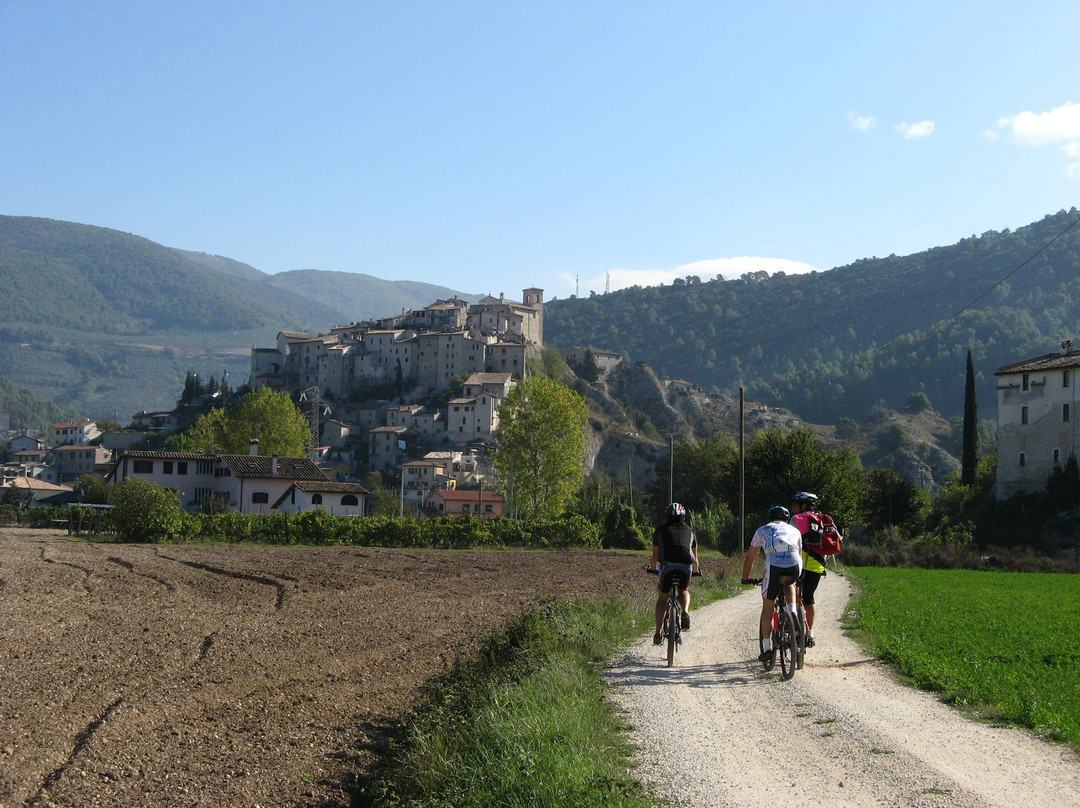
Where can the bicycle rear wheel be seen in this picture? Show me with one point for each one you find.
(673, 628)
(800, 627)
(786, 641)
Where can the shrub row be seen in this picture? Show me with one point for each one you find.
(320, 528)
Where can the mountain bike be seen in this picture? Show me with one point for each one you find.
(789, 633)
(672, 626)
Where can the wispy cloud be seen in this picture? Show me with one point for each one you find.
(861, 123)
(913, 131)
(728, 268)
(1060, 127)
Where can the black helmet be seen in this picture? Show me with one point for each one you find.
(779, 512)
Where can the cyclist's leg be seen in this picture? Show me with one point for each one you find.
(664, 584)
(767, 606)
(810, 584)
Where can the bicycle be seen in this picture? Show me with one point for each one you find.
(671, 630)
(789, 632)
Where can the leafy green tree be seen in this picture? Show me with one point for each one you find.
(541, 446)
(888, 500)
(700, 474)
(969, 454)
(96, 490)
(779, 464)
(847, 428)
(146, 512)
(263, 415)
(919, 402)
(1063, 487)
(387, 500)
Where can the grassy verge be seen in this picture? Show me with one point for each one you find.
(1001, 644)
(526, 721)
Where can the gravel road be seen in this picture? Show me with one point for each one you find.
(715, 731)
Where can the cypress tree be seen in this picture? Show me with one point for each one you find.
(969, 456)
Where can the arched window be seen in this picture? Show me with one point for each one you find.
(316, 499)
(349, 499)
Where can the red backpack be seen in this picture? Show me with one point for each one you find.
(823, 537)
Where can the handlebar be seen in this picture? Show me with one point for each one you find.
(656, 571)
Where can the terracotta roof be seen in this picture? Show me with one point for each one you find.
(1051, 361)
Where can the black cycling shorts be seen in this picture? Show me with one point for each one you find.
(680, 572)
(809, 586)
(778, 577)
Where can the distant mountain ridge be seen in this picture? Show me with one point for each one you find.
(106, 323)
(836, 343)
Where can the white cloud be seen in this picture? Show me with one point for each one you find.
(1059, 127)
(911, 131)
(728, 268)
(861, 123)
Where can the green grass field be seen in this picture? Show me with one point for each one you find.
(1003, 644)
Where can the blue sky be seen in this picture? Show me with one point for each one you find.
(493, 146)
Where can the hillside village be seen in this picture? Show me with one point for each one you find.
(416, 396)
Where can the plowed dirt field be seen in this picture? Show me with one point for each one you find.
(146, 675)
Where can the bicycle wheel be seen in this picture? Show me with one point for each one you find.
(800, 627)
(672, 630)
(787, 642)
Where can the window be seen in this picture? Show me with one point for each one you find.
(316, 499)
(1023, 459)
(259, 497)
(166, 467)
(1057, 455)
(1025, 383)
(143, 467)
(1065, 378)
(350, 500)
(181, 467)
(204, 466)
(1023, 415)
(1065, 413)
(202, 494)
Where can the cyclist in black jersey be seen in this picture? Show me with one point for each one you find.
(674, 553)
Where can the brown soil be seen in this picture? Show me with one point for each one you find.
(238, 675)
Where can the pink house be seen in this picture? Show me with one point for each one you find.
(487, 504)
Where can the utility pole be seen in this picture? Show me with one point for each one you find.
(671, 469)
(742, 479)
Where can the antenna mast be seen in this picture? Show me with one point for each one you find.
(316, 408)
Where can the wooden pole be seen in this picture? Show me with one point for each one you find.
(742, 479)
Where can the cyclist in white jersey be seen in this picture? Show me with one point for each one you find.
(782, 545)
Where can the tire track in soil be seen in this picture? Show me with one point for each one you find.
(86, 571)
(81, 741)
(130, 567)
(241, 576)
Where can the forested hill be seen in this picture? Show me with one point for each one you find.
(67, 275)
(830, 344)
(106, 323)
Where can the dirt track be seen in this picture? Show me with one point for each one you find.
(236, 676)
(717, 732)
